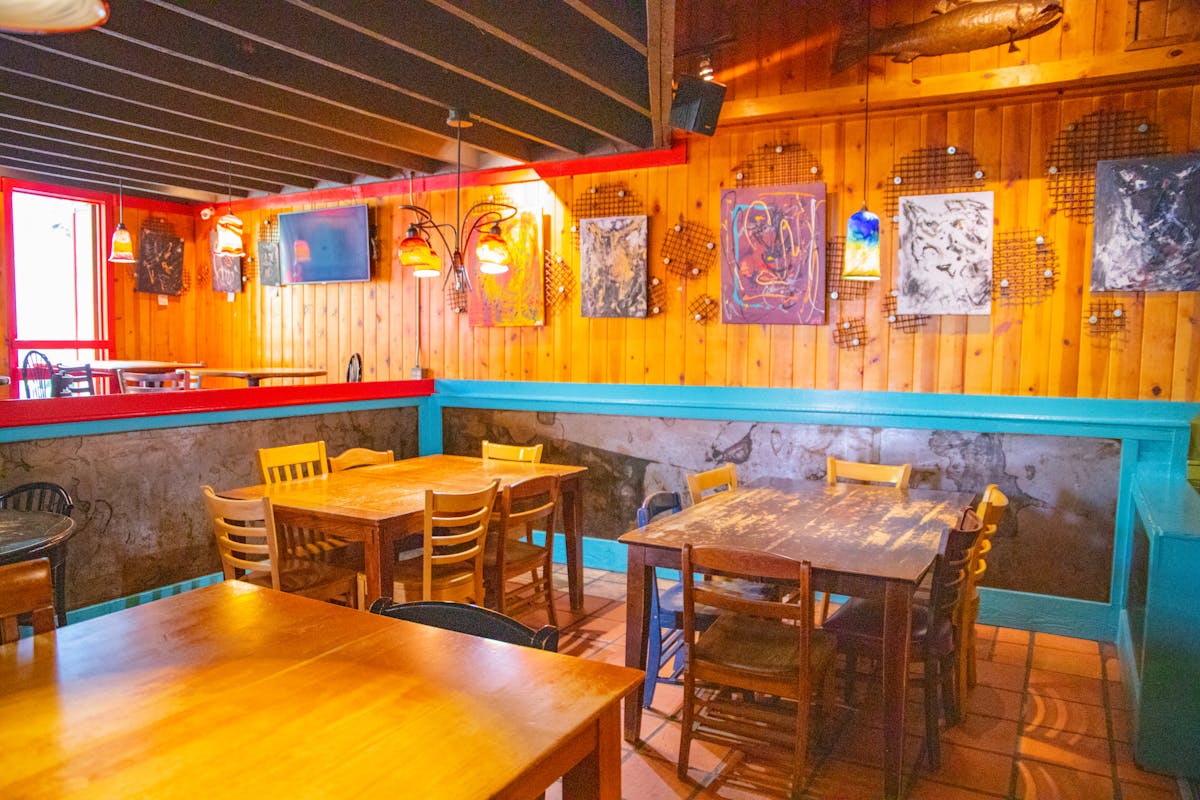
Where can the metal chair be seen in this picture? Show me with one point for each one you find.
(354, 369)
(470, 619)
(37, 375)
(76, 381)
(146, 382)
(44, 496)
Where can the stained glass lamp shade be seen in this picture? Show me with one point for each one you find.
(862, 247)
(419, 255)
(492, 252)
(229, 236)
(121, 249)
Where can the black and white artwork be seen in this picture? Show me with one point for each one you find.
(160, 263)
(612, 254)
(1147, 235)
(226, 269)
(268, 264)
(945, 256)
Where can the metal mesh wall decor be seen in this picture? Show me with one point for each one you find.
(850, 334)
(838, 287)
(689, 249)
(605, 200)
(931, 170)
(702, 310)
(778, 165)
(456, 291)
(1104, 317)
(906, 323)
(1024, 267)
(560, 281)
(1099, 136)
(657, 297)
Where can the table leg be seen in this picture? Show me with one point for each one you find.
(573, 535)
(598, 775)
(251, 380)
(637, 614)
(378, 551)
(897, 622)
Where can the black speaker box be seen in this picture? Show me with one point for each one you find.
(697, 105)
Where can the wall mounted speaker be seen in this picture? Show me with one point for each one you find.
(697, 105)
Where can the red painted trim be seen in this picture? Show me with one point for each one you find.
(106, 198)
(64, 344)
(57, 411)
(521, 173)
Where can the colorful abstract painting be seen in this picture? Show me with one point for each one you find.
(945, 255)
(1147, 235)
(516, 297)
(226, 269)
(612, 253)
(160, 263)
(773, 255)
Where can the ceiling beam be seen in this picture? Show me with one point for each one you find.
(660, 66)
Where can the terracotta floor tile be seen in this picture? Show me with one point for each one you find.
(1013, 636)
(844, 780)
(1131, 772)
(704, 756)
(1118, 698)
(647, 776)
(1008, 653)
(1001, 676)
(1064, 686)
(863, 745)
(1040, 781)
(1134, 791)
(927, 789)
(993, 702)
(1070, 661)
(668, 699)
(971, 768)
(1067, 749)
(1055, 713)
(994, 734)
(1066, 643)
(1122, 726)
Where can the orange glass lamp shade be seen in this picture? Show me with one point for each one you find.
(229, 236)
(121, 249)
(417, 254)
(52, 16)
(862, 247)
(492, 252)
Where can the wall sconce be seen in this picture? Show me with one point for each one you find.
(706, 68)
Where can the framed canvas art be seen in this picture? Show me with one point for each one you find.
(268, 263)
(517, 297)
(1147, 234)
(160, 263)
(612, 254)
(226, 269)
(773, 255)
(945, 254)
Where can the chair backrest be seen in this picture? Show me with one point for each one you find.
(528, 505)
(37, 375)
(25, 588)
(354, 369)
(293, 461)
(702, 485)
(240, 528)
(990, 509)
(658, 503)
(474, 620)
(512, 452)
(360, 457)
(456, 526)
(74, 381)
(38, 496)
(131, 382)
(949, 569)
(897, 475)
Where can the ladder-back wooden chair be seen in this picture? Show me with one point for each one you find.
(25, 589)
(449, 565)
(531, 453)
(702, 485)
(293, 461)
(360, 457)
(525, 506)
(990, 509)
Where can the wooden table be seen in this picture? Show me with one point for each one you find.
(33, 534)
(108, 369)
(866, 541)
(255, 375)
(232, 690)
(382, 504)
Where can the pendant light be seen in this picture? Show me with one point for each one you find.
(862, 229)
(121, 248)
(52, 16)
(229, 230)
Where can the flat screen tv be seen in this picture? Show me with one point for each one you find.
(326, 245)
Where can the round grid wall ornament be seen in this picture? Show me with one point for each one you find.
(1024, 267)
(560, 281)
(850, 334)
(931, 170)
(702, 310)
(605, 200)
(778, 164)
(1099, 136)
(689, 249)
(906, 323)
(1104, 318)
(838, 287)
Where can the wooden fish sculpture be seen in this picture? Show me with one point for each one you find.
(954, 28)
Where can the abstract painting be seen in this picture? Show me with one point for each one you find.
(226, 269)
(1147, 235)
(612, 253)
(516, 297)
(268, 264)
(773, 255)
(945, 256)
(160, 263)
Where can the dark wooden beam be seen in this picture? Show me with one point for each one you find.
(66, 176)
(660, 66)
(626, 20)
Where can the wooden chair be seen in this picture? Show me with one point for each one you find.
(449, 565)
(473, 620)
(702, 485)
(253, 548)
(25, 589)
(858, 626)
(897, 475)
(145, 382)
(293, 461)
(74, 381)
(531, 453)
(751, 677)
(990, 509)
(360, 457)
(525, 506)
(43, 496)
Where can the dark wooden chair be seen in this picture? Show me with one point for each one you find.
(470, 619)
(44, 496)
(858, 626)
(74, 381)
(511, 552)
(25, 589)
(751, 677)
(37, 375)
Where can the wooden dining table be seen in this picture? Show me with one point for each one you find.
(235, 690)
(862, 540)
(254, 376)
(380, 505)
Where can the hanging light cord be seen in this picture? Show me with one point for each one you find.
(121, 201)
(867, 106)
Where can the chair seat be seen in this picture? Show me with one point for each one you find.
(409, 572)
(763, 646)
(303, 576)
(864, 618)
(519, 556)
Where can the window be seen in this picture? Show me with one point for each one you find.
(59, 280)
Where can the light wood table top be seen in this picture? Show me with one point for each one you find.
(381, 504)
(233, 690)
(255, 375)
(108, 369)
(866, 541)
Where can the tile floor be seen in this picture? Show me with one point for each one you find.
(1048, 720)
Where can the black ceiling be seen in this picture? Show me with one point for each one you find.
(186, 98)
